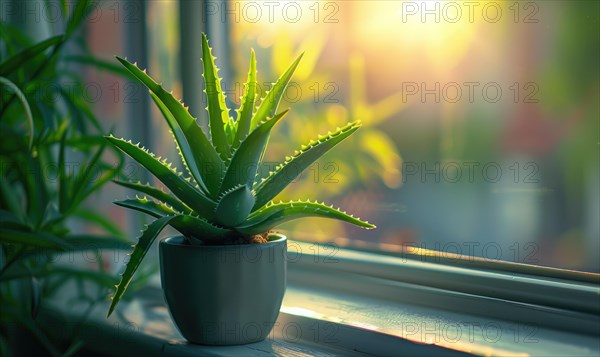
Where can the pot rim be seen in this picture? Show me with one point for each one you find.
(171, 241)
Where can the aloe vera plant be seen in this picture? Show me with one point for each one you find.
(218, 198)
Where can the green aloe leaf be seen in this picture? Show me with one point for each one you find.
(168, 176)
(188, 158)
(139, 252)
(244, 119)
(276, 213)
(218, 113)
(244, 163)
(206, 157)
(285, 173)
(269, 104)
(190, 226)
(230, 131)
(19, 59)
(156, 193)
(147, 206)
(234, 206)
(198, 229)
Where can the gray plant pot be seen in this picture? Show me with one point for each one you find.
(224, 295)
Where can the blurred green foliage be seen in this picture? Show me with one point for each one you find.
(321, 101)
(53, 158)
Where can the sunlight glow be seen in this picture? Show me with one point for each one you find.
(440, 31)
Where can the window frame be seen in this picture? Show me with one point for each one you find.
(349, 273)
(512, 295)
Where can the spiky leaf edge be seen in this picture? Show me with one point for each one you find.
(243, 166)
(293, 166)
(180, 187)
(274, 214)
(244, 118)
(193, 227)
(139, 252)
(187, 156)
(205, 155)
(218, 114)
(156, 193)
(270, 102)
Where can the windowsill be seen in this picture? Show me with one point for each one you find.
(334, 312)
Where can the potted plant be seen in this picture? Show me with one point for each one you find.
(224, 278)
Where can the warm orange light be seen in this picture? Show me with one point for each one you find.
(441, 32)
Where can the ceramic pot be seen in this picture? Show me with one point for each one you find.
(224, 295)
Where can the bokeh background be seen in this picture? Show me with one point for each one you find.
(481, 121)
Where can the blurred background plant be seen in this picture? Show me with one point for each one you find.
(53, 164)
(417, 59)
(370, 160)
